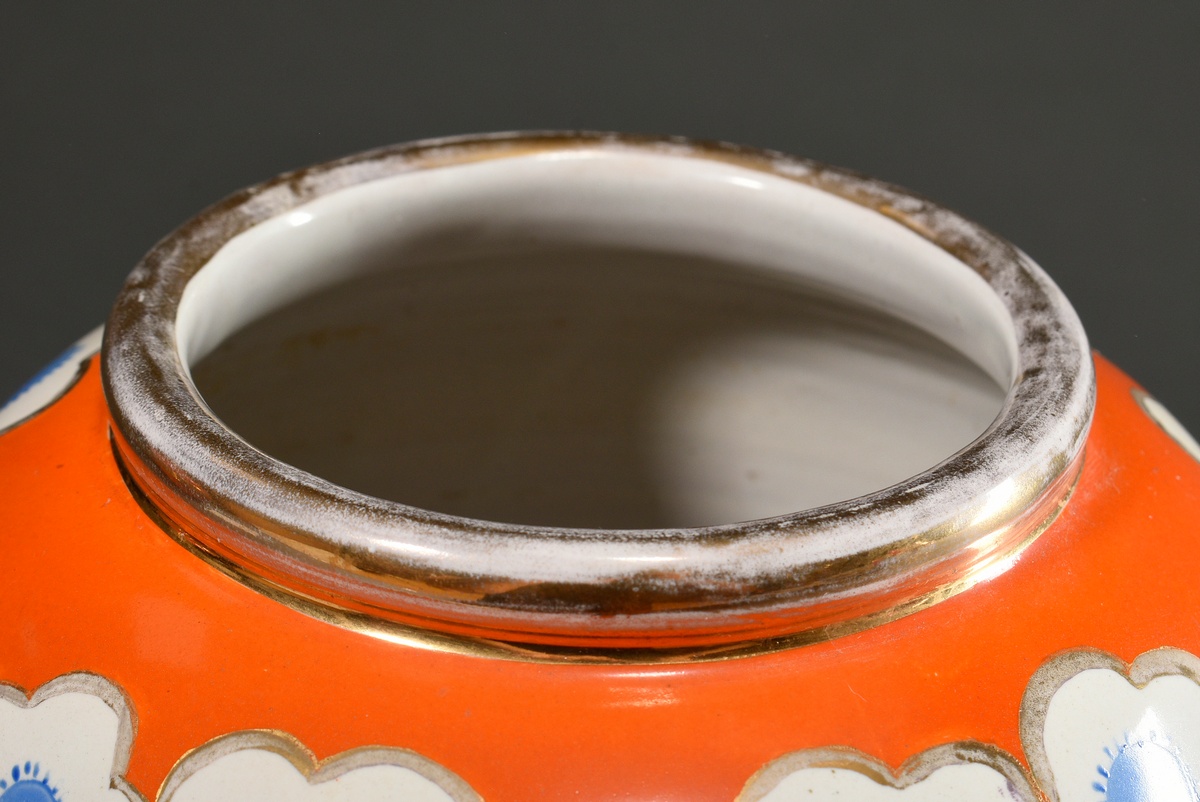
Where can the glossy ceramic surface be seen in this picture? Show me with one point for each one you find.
(803, 229)
(140, 662)
(1026, 676)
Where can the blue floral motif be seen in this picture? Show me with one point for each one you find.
(27, 784)
(1143, 769)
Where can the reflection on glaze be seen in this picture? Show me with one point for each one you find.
(1093, 730)
(1145, 769)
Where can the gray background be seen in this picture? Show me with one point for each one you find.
(1071, 129)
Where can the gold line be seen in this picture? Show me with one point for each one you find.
(419, 638)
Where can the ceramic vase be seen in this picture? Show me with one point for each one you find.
(585, 466)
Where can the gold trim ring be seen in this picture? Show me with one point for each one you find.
(717, 590)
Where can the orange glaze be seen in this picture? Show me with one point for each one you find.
(89, 582)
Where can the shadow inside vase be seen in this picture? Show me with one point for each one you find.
(595, 387)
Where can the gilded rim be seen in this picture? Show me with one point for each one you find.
(922, 539)
(382, 628)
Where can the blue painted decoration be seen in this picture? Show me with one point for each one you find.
(1141, 769)
(26, 783)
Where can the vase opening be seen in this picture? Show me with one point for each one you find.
(534, 342)
(596, 392)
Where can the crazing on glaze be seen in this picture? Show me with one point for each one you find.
(1093, 730)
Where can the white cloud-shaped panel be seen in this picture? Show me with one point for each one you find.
(1110, 735)
(964, 772)
(68, 743)
(270, 767)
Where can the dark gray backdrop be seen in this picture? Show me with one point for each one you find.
(1071, 129)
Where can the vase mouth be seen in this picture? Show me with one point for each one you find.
(723, 589)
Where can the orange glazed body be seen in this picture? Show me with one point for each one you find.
(971, 691)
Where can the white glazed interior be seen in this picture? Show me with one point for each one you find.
(597, 338)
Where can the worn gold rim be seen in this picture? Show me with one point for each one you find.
(434, 640)
(173, 452)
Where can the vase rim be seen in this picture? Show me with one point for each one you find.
(678, 592)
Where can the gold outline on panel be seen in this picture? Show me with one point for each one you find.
(1064, 667)
(1026, 785)
(305, 762)
(106, 691)
(912, 772)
